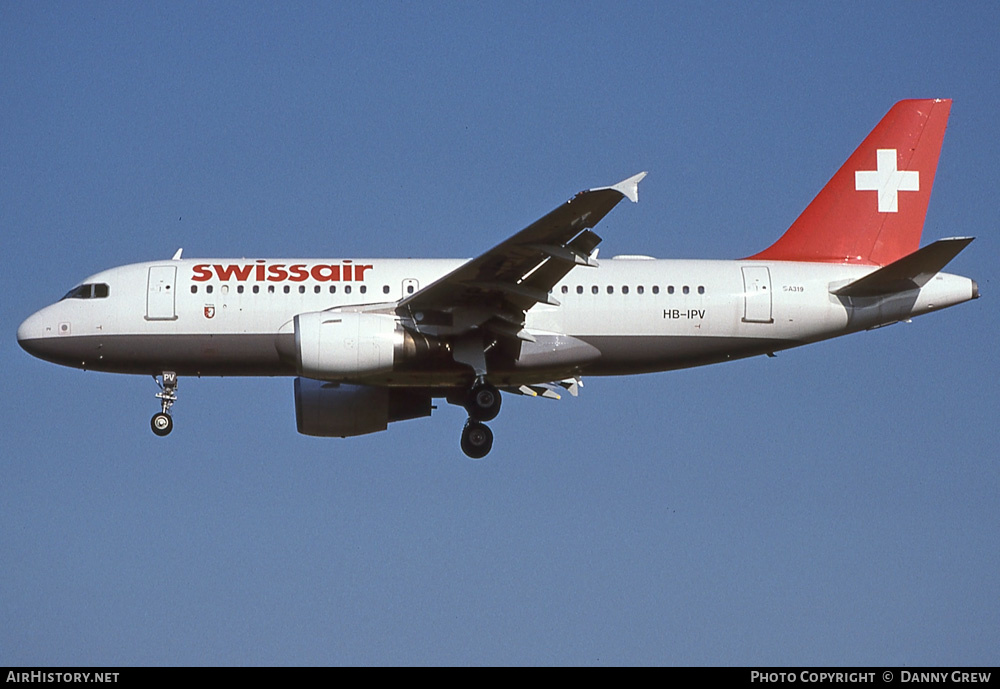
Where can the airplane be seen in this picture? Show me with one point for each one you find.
(371, 341)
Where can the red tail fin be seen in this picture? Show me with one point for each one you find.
(872, 211)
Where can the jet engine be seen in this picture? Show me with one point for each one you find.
(339, 345)
(334, 344)
(342, 410)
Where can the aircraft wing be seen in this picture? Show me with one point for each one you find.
(493, 290)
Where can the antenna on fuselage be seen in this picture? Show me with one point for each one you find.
(177, 256)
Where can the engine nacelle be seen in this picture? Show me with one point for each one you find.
(342, 410)
(341, 345)
(332, 344)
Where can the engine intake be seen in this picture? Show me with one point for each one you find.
(332, 344)
(339, 345)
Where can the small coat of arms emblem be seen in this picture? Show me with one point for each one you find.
(209, 311)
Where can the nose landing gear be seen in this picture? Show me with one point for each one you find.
(162, 423)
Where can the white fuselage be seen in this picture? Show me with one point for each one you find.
(224, 317)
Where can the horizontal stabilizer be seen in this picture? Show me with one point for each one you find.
(908, 273)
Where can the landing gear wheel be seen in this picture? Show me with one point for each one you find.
(161, 423)
(483, 403)
(477, 439)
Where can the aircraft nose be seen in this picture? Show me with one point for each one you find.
(31, 333)
(48, 335)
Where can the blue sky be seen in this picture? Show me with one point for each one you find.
(835, 505)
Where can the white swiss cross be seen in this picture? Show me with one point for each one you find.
(887, 180)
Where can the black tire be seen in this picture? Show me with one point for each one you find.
(477, 440)
(161, 424)
(483, 403)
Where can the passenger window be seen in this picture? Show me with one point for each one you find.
(611, 290)
(624, 289)
(256, 289)
(594, 289)
(270, 289)
(208, 289)
(385, 289)
(656, 289)
(239, 289)
(333, 289)
(287, 289)
(316, 289)
(670, 289)
(701, 289)
(347, 289)
(639, 289)
(686, 289)
(302, 289)
(579, 289)
(194, 289)
(364, 289)
(225, 289)
(565, 289)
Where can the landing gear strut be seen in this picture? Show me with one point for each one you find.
(483, 404)
(162, 423)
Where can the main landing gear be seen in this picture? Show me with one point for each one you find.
(162, 423)
(483, 404)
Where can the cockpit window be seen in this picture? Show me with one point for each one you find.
(89, 291)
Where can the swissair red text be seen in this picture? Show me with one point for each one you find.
(262, 271)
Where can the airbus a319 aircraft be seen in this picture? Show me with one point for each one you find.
(372, 341)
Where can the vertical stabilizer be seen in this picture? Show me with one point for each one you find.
(872, 211)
